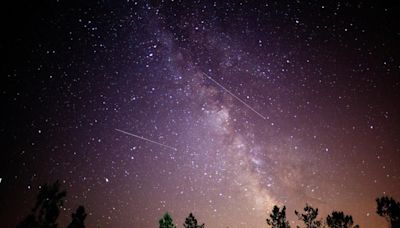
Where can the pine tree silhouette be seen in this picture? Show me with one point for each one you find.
(389, 208)
(191, 222)
(47, 208)
(78, 218)
(340, 220)
(166, 221)
(278, 218)
(309, 217)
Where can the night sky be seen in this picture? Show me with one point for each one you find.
(255, 103)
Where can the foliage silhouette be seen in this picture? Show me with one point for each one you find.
(191, 222)
(78, 218)
(389, 208)
(51, 198)
(278, 218)
(166, 221)
(47, 208)
(309, 217)
(340, 220)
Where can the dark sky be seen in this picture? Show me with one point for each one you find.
(255, 103)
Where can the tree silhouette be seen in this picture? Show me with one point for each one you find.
(278, 218)
(166, 221)
(47, 208)
(309, 217)
(78, 218)
(340, 220)
(389, 209)
(191, 222)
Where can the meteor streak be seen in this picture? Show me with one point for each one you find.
(148, 140)
(237, 98)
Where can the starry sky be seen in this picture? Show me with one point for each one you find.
(257, 103)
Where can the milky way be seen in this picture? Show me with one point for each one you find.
(223, 109)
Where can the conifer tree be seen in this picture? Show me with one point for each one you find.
(309, 217)
(389, 208)
(191, 222)
(278, 218)
(47, 208)
(340, 220)
(166, 221)
(78, 218)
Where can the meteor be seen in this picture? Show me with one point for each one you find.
(148, 140)
(237, 98)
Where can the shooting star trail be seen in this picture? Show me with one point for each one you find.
(237, 98)
(148, 140)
